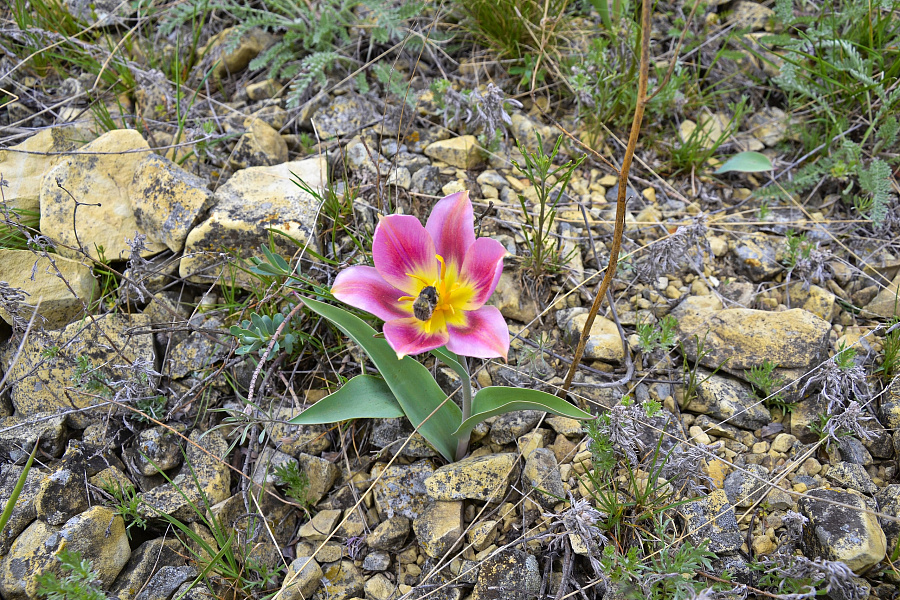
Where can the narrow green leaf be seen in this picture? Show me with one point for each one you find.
(451, 360)
(412, 385)
(496, 400)
(746, 162)
(363, 397)
(20, 483)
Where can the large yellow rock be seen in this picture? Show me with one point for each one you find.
(62, 287)
(98, 534)
(887, 303)
(167, 200)
(842, 526)
(462, 152)
(23, 165)
(46, 375)
(247, 205)
(476, 478)
(100, 174)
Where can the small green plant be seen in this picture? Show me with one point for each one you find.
(661, 335)
(126, 503)
(154, 407)
(295, 481)
(538, 169)
(845, 358)
(767, 384)
(79, 580)
(890, 353)
(51, 351)
(258, 332)
(88, 377)
(701, 144)
(796, 248)
(763, 210)
(691, 374)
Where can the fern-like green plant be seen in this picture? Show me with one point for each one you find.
(80, 583)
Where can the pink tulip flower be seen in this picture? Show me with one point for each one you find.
(430, 283)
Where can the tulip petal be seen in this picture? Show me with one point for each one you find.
(402, 247)
(452, 227)
(363, 288)
(408, 336)
(481, 271)
(483, 334)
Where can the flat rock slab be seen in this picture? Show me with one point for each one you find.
(886, 304)
(24, 165)
(792, 339)
(47, 376)
(729, 400)
(60, 288)
(99, 176)
(842, 527)
(479, 478)
(712, 518)
(253, 201)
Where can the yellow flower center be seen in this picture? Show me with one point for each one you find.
(451, 295)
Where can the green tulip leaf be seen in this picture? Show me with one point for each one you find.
(363, 397)
(421, 398)
(451, 360)
(746, 162)
(495, 400)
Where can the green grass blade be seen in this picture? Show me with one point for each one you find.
(11, 503)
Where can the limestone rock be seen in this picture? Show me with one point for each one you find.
(61, 495)
(757, 254)
(838, 532)
(886, 303)
(889, 503)
(461, 152)
(747, 486)
(380, 587)
(769, 125)
(157, 450)
(261, 146)
(401, 489)
(44, 282)
(483, 534)
(100, 175)
(389, 534)
(23, 165)
(341, 581)
(254, 200)
(345, 115)
(321, 525)
(301, 580)
(793, 339)
(145, 561)
(236, 60)
(511, 299)
(751, 14)
(603, 343)
(439, 527)
(167, 200)
(321, 474)
(23, 512)
(852, 476)
(541, 473)
(166, 581)
(509, 427)
(204, 460)
(19, 434)
(98, 534)
(729, 400)
(199, 349)
(478, 478)
(712, 518)
(43, 383)
(312, 439)
(508, 575)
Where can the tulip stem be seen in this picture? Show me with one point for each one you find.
(462, 446)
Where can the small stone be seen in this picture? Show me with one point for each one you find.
(478, 478)
(166, 581)
(699, 436)
(712, 518)
(730, 400)
(885, 303)
(341, 581)
(747, 486)
(238, 55)
(510, 426)
(261, 146)
(760, 447)
(508, 575)
(51, 284)
(762, 545)
(157, 450)
(852, 476)
(377, 561)
(401, 489)
(380, 587)
(749, 14)
(345, 115)
(60, 496)
(320, 526)
(783, 442)
(565, 425)
(462, 152)
(541, 473)
(603, 341)
(390, 534)
(482, 535)
(838, 532)
(439, 527)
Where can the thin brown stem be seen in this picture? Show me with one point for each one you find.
(621, 199)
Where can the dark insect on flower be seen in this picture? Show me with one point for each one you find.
(425, 303)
